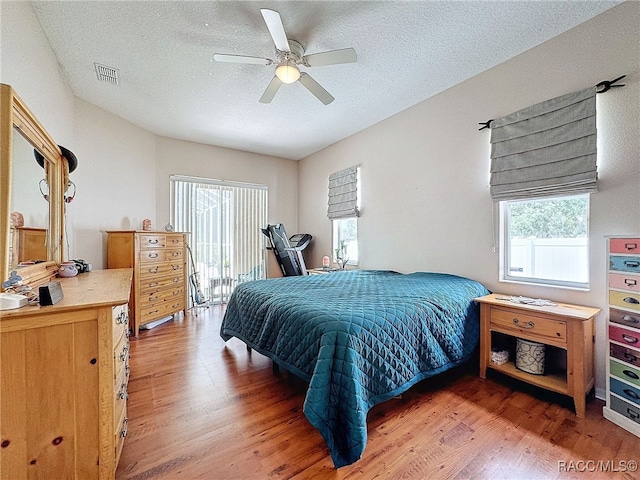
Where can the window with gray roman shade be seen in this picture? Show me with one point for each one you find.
(548, 149)
(343, 194)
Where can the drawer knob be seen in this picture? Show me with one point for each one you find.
(153, 270)
(630, 319)
(630, 358)
(123, 432)
(629, 338)
(632, 413)
(632, 263)
(630, 246)
(153, 242)
(630, 282)
(635, 301)
(631, 374)
(631, 393)
(153, 255)
(529, 324)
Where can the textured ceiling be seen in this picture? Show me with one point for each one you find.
(171, 86)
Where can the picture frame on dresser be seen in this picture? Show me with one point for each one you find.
(623, 332)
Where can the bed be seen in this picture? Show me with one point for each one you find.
(358, 338)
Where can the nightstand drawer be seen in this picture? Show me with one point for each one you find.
(532, 325)
(624, 263)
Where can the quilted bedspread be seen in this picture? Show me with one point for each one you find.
(358, 337)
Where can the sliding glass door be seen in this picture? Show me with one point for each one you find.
(224, 221)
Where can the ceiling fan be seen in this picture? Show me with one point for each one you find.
(289, 56)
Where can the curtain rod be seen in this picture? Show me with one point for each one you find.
(601, 87)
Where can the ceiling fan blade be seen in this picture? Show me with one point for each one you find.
(271, 90)
(276, 29)
(223, 57)
(334, 57)
(315, 88)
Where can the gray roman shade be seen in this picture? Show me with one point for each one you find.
(343, 194)
(547, 149)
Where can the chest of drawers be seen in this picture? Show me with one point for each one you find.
(64, 381)
(158, 260)
(623, 328)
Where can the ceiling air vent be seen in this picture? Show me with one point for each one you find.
(107, 74)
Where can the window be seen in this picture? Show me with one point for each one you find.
(224, 221)
(345, 240)
(545, 241)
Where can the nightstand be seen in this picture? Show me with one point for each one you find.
(566, 330)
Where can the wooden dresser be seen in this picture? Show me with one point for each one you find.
(64, 381)
(27, 244)
(623, 328)
(158, 260)
(566, 330)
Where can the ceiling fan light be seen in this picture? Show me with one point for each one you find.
(287, 72)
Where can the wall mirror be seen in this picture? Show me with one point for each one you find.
(21, 182)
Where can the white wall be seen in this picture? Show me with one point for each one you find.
(425, 171)
(177, 157)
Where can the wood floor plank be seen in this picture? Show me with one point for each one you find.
(200, 408)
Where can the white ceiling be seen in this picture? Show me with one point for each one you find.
(171, 86)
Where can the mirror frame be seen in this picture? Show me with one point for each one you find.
(14, 114)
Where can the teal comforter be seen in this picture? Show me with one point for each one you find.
(358, 337)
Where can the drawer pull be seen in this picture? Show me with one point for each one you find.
(632, 413)
(151, 299)
(155, 241)
(123, 432)
(175, 267)
(153, 270)
(529, 324)
(629, 282)
(177, 280)
(631, 393)
(632, 263)
(630, 358)
(631, 374)
(630, 319)
(631, 300)
(630, 246)
(629, 338)
(175, 240)
(153, 284)
(175, 254)
(153, 255)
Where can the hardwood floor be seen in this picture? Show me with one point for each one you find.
(200, 408)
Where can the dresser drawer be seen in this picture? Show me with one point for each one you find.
(120, 316)
(625, 263)
(625, 336)
(156, 270)
(624, 245)
(532, 325)
(624, 299)
(161, 310)
(175, 241)
(120, 434)
(625, 354)
(152, 286)
(625, 372)
(627, 319)
(629, 410)
(152, 256)
(172, 254)
(624, 390)
(624, 282)
(120, 358)
(152, 241)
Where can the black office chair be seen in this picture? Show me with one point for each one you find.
(288, 251)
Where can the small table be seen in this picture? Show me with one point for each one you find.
(567, 327)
